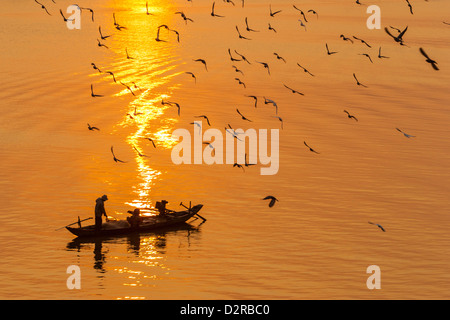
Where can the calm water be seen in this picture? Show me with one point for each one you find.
(315, 243)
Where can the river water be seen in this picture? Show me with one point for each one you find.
(315, 242)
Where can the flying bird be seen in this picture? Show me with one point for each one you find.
(248, 164)
(90, 10)
(192, 75)
(101, 35)
(240, 82)
(345, 38)
(357, 81)
(64, 18)
(43, 7)
(101, 44)
(367, 55)
(128, 87)
(272, 200)
(272, 28)
(237, 70)
(405, 134)
(204, 117)
(213, 14)
(272, 14)
(92, 128)
(410, 7)
(243, 118)
(172, 104)
(279, 57)
(328, 51)
(428, 59)
(380, 56)
(281, 120)
(95, 67)
(301, 12)
(310, 149)
(302, 24)
(350, 116)
(233, 59)
(94, 95)
(398, 38)
(241, 36)
(151, 140)
(293, 91)
(203, 62)
(304, 69)
(139, 153)
(248, 28)
(255, 98)
(362, 41)
(114, 156)
(186, 19)
(267, 101)
(242, 56)
(314, 12)
(147, 12)
(116, 25)
(128, 56)
(112, 74)
(379, 226)
(265, 66)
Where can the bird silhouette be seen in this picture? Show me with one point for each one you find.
(380, 56)
(247, 26)
(328, 51)
(43, 7)
(350, 116)
(114, 156)
(204, 117)
(293, 91)
(310, 149)
(241, 36)
(272, 14)
(398, 38)
(428, 59)
(255, 98)
(242, 116)
(305, 70)
(192, 75)
(265, 65)
(94, 95)
(405, 134)
(272, 200)
(92, 128)
(362, 41)
(213, 14)
(357, 81)
(379, 226)
(203, 62)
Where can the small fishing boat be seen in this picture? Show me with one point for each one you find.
(120, 227)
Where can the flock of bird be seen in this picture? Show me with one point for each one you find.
(164, 33)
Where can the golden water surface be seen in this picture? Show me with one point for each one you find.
(316, 242)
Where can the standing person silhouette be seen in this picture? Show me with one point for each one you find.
(99, 211)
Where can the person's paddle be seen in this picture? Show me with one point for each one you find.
(78, 222)
(189, 210)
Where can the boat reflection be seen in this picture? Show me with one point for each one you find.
(148, 248)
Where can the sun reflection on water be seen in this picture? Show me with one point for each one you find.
(144, 69)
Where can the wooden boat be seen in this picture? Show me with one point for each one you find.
(121, 227)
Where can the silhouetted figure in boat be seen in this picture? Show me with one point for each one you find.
(135, 218)
(99, 211)
(161, 206)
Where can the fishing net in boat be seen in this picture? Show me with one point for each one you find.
(111, 225)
